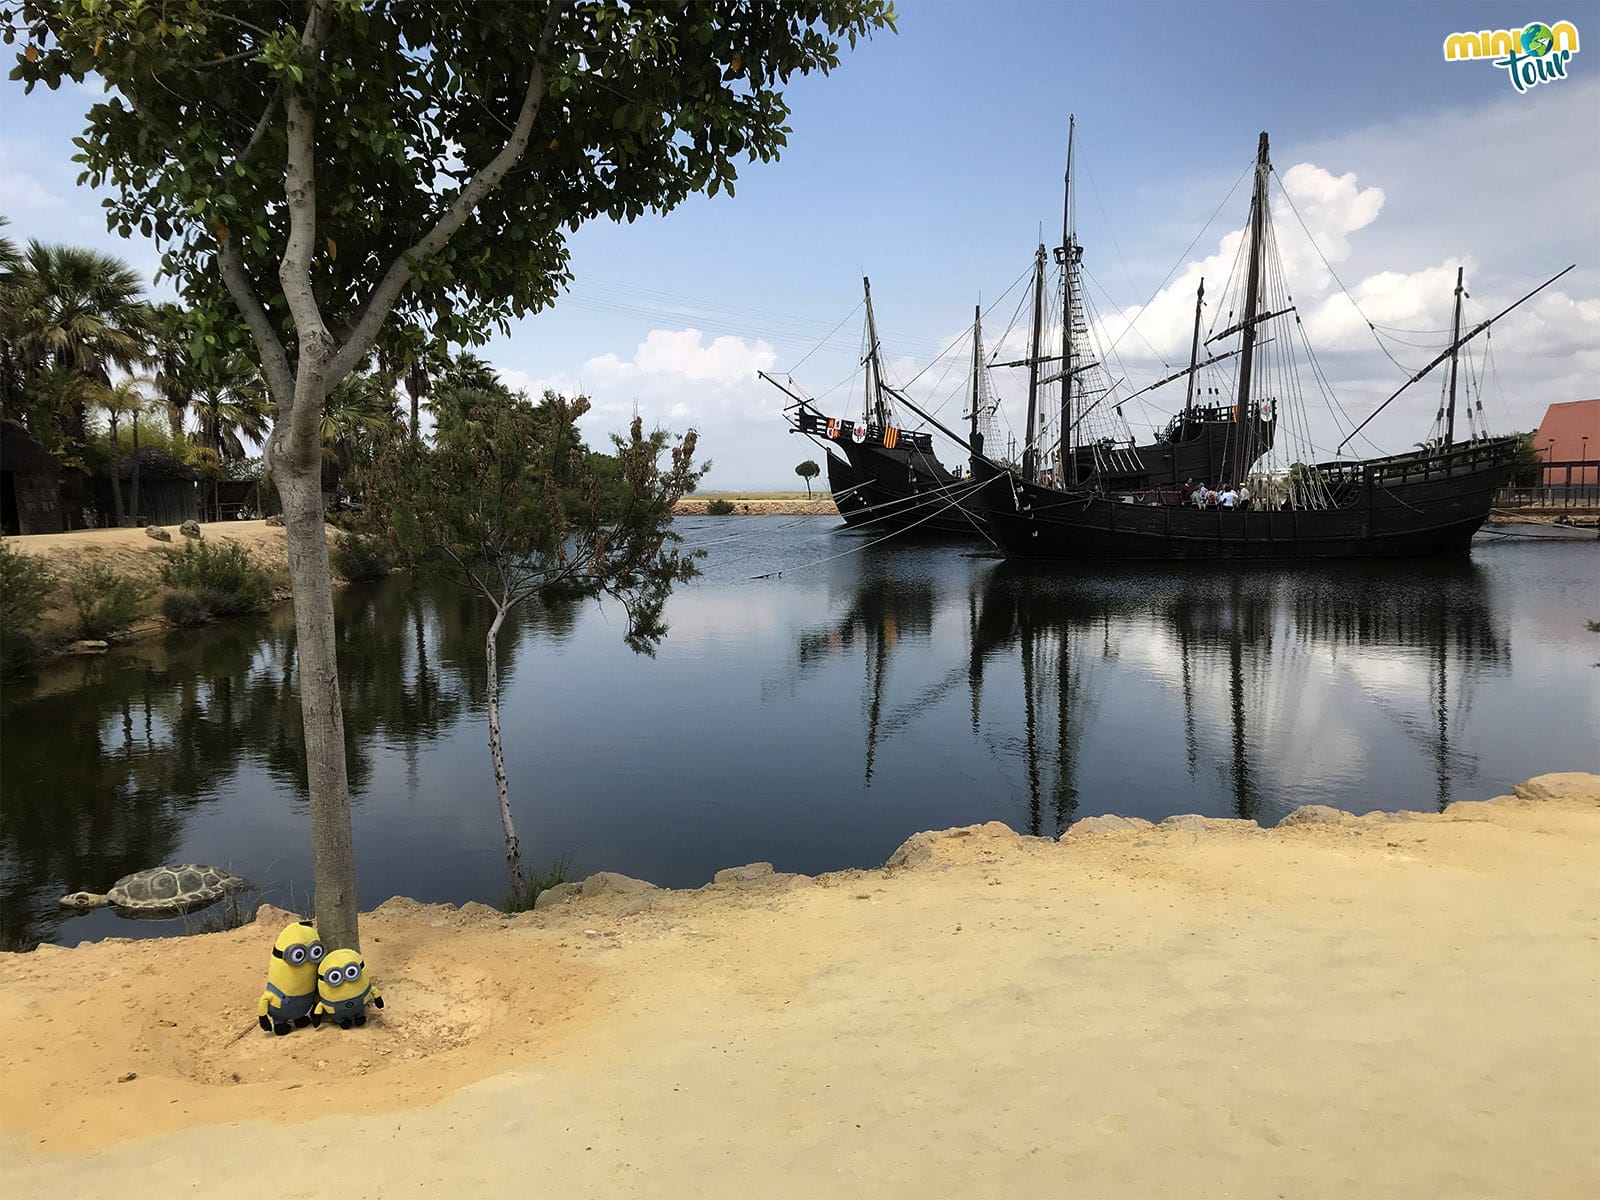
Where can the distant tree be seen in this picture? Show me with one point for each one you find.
(1527, 468)
(808, 471)
(491, 508)
(124, 398)
(321, 167)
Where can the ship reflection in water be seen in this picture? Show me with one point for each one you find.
(1266, 681)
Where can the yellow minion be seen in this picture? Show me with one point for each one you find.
(291, 994)
(343, 989)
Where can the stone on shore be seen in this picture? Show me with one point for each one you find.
(155, 531)
(190, 529)
(1106, 823)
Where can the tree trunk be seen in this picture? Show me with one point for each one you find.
(513, 846)
(332, 853)
(116, 478)
(135, 513)
(415, 393)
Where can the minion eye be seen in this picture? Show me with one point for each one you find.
(295, 956)
(352, 972)
(316, 951)
(335, 977)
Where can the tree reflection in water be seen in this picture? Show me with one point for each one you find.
(106, 759)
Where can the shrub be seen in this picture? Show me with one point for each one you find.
(358, 557)
(106, 602)
(558, 872)
(25, 587)
(187, 609)
(222, 574)
(718, 508)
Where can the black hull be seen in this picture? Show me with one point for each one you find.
(1403, 507)
(896, 491)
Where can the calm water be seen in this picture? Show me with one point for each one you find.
(813, 718)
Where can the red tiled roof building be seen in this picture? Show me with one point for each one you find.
(1570, 432)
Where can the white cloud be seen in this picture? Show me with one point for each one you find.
(24, 195)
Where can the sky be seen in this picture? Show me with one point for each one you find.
(932, 159)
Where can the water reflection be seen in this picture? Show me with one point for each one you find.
(1244, 648)
(814, 719)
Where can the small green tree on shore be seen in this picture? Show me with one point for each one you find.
(808, 471)
(510, 505)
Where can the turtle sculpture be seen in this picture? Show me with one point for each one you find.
(162, 891)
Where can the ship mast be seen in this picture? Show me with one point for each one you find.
(1029, 452)
(873, 406)
(974, 438)
(1455, 347)
(1247, 323)
(1194, 360)
(1068, 255)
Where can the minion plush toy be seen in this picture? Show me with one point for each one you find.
(291, 995)
(343, 989)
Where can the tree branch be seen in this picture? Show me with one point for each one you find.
(400, 272)
(294, 269)
(274, 358)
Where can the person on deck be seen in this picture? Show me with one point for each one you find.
(1244, 495)
(1188, 490)
(1229, 497)
(1199, 496)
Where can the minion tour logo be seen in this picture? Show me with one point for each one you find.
(1532, 55)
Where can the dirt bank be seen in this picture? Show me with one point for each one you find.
(135, 555)
(820, 505)
(1343, 1007)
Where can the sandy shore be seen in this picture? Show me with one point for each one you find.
(1339, 1007)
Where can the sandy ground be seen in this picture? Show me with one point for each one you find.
(135, 555)
(1376, 1007)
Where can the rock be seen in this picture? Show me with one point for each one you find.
(918, 848)
(559, 894)
(1109, 823)
(87, 646)
(155, 531)
(751, 873)
(274, 917)
(1316, 814)
(603, 882)
(275, 520)
(1561, 785)
(474, 913)
(190, 529)
(1193, 822)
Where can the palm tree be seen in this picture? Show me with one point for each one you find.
(467, 370)
(358, 418)
(169, 355)
(83, 311)
(15, 282)
(230, 404)
(125, 398)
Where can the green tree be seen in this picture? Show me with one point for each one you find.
(124, 398)
(322, 167)
(808, 471)
(1527, 469)
(80, 311)
(490, 507)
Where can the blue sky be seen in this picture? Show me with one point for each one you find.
(932, 161)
